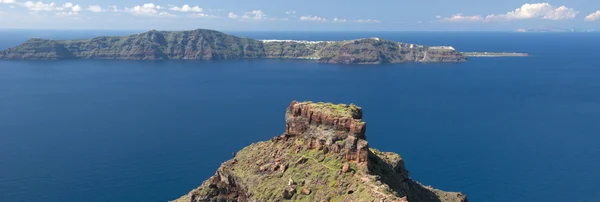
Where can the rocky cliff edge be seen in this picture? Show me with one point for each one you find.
(202, 44)
(323, 155)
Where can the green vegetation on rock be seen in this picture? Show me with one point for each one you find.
(204, 44)
(335, 110)
(152, 45)
(300, 166)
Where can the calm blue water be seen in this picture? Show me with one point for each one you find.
(497, 129)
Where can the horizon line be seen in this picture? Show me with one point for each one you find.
(227, 30)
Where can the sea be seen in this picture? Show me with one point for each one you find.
(517, 129)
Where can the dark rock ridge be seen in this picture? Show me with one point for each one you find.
(323, 155)
(151, 45)
(204, 44)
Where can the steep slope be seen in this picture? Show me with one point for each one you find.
(204, 44)
(322, 156)
(152, 45)
(360, 51)
(38, 49)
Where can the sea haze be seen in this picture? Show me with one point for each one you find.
(497, 129)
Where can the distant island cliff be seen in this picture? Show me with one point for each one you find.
(202, 44)
(323, 155)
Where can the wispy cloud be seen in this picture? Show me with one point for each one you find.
(462, 18)
(343, 20)
(67, 13)
(202, 15)
(593, 17)
(7, 1)
(312, 18)
(113, 9)
(340, 20)
(95, 8)
(366, 21)
(256, 15)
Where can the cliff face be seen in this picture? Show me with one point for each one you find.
(361, 51)
(212, 45)
(293, 49)
(322, 156)
(152, 45)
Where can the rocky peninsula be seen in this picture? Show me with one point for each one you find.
(202, 44)
(323, 155)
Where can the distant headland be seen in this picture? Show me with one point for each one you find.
(203, 44)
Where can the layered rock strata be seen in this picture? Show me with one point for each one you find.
(329, 127)
(323, 155)
(204, 44)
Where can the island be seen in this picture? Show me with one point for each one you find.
(203, 44)
(323, 155)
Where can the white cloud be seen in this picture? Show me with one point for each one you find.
(233, 16)
(187, 8)
(527, 11)
(68, 8)
(290, 12)
(356, 21)
(76, 8)
(593, 17)
(166, 14)
(256, 15)
(438, 16)
(312, 18)
(366, 21)
(251, 15)
(39, 6)
(113, 8)
(463, 18)
(537, 11)
(147, 9)
(95, 8)
(339, 20)
(202, 15)
(68, 5)
(7, 1)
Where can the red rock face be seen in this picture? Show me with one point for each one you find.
(327, 131)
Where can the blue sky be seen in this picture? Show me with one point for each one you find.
(238, 15)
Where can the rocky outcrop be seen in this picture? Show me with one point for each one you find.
(322, 156)
(329, 127)
(204, 44)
